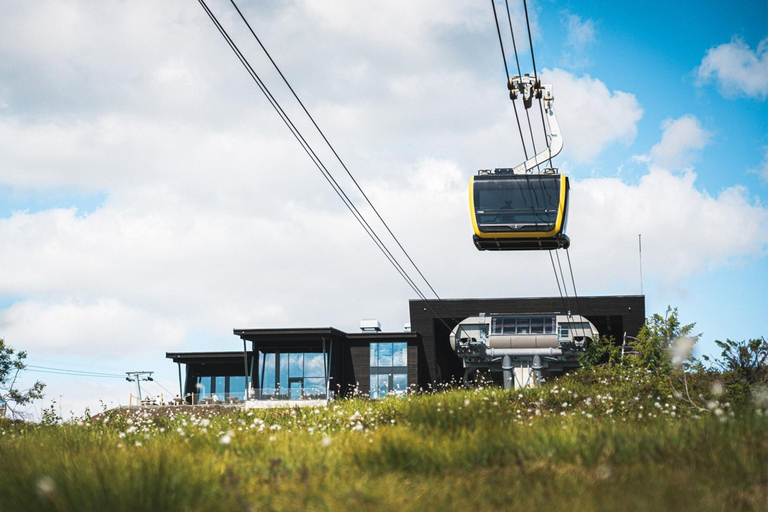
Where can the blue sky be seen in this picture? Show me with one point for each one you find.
(654, 50)
(151, 200)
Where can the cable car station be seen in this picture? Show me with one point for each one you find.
(288, 366)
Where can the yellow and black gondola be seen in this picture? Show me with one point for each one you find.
(519, 212)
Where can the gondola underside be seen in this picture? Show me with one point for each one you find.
(522, 244)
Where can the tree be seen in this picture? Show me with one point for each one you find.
(11, 365)
(603, 350)
(744, 367)
(747, 361)
(659, 337)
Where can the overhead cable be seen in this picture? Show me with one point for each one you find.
(535, 73)
(73, 373)
(333, 150)
(310, 152)
(319, 164)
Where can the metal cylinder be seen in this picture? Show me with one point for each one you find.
(500, 352)
(536, 367)
(506, 367)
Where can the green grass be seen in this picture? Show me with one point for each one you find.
(598, 440)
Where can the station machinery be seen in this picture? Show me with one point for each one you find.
(521, 349)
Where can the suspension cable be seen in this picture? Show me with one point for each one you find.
(565, 288)
(319, 164)
(307, 148)
(333, 150)
(557, 280)
(535, 72)
(576, 295)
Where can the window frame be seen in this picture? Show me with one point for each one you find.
(377, 370)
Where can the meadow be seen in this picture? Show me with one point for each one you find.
(600, 439)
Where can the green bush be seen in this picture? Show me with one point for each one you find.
(659, 339)
(744, 367)
(603, 350)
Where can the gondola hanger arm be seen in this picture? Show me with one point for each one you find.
(529, 87)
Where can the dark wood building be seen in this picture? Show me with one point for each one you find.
(612, 315)
(306, 363)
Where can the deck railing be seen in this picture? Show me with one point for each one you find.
(235, 398)
(290, 394)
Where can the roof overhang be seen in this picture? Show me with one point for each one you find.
(193, 357)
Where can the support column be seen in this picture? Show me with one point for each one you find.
(506, 367)
(537, 377)
(181, 388)
(245, 362)
(325, 366)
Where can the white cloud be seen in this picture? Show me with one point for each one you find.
(104, 326)
(579, 33)
(215, 219)
(736, 68)
(686, 231)
(680, 140)
(579, 36)
(762, 169)
(591, 116)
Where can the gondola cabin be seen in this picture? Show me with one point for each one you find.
(519, 212)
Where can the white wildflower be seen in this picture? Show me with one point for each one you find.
(46, 486)
(681, 349)
(761, 397)
(227, 438)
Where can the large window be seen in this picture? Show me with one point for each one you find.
(508, 325)
(389, 369)
(219, 388)
(294, 375)
(514, 203)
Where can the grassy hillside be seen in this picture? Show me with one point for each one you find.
(601, 439)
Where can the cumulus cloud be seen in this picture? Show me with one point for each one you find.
(593, 117)
(680, 140)
(213, 218)
(686, 231)
(104, 327)
(736, 68)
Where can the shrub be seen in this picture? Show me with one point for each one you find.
(744, 366)
(657, 339)
(603, 350)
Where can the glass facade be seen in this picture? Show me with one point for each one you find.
(293, 375)
(218, 388)
(389, 368)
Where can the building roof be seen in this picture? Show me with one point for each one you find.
(291, 332)
(183, 357)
